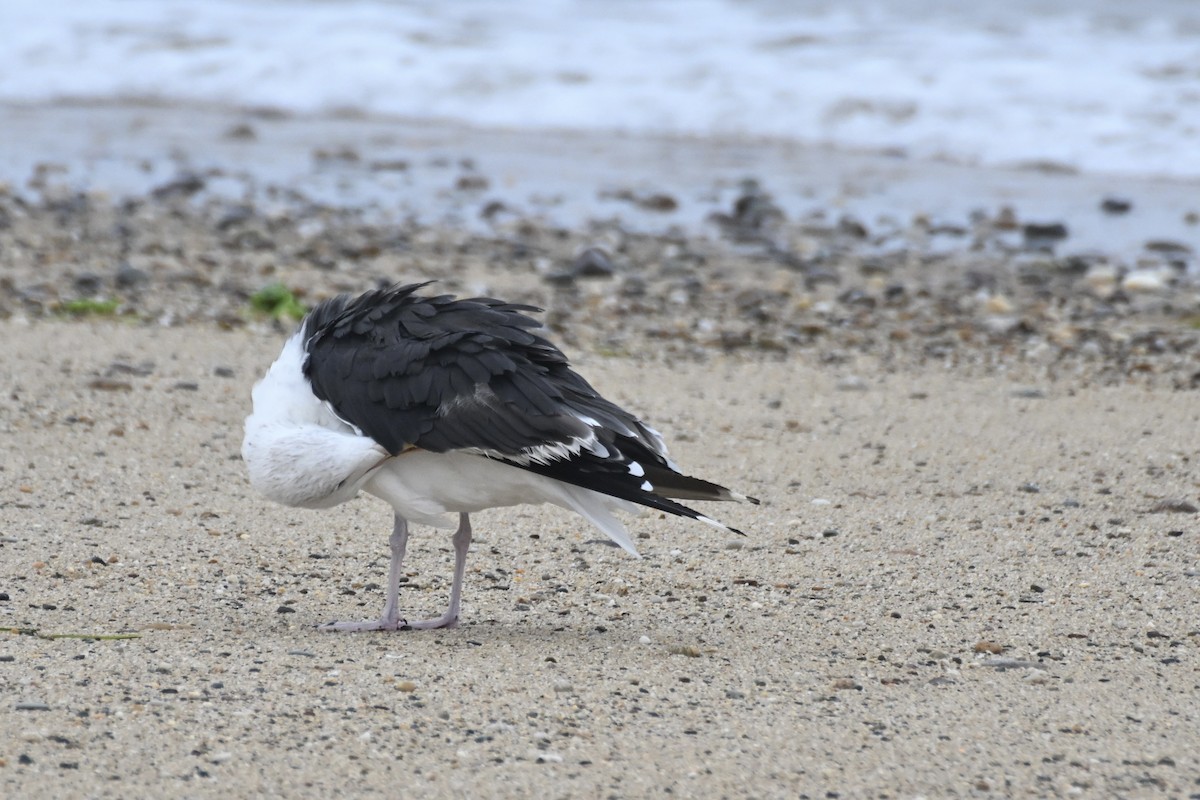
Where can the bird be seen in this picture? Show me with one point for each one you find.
(443, 406)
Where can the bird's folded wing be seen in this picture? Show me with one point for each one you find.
(446, 374)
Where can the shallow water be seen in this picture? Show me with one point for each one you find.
(1097, 85)
(441, 173)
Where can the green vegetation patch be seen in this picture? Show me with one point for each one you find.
(277, 301)
(87, 307)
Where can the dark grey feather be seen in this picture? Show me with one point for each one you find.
(443, 374)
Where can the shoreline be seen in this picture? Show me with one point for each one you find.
(443, 173)
(210, 224)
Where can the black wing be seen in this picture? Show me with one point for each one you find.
(442, 374)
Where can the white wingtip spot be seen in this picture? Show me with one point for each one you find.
(635, 469)
(647, 486)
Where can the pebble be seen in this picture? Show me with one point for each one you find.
(1035, 231)
(88, 283)
(31, 705)
(998, 304)
(1011, 663)
(818, 284)
(593, 262)
(242, 132)
(1116, 205)
(1169, 247)
(657, 202)
(689, 650)
(184, 185)
(1102, 280)
(1147, 280)
(1174, 505)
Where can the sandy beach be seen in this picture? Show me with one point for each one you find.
(954, 587)
(974, 571)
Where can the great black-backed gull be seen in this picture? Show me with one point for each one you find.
(442, 406)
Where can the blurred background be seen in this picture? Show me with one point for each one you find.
(1099, 85)
(1104, 89)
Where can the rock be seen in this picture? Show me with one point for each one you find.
(1010, 663)
(753, 212)
(183, 185)
(389, 165)
(852, 383)
(472, 183)
(1102, 280)
(242, 132)
(691, 651)
(1174, 505)
(88, 283)
(235, 215)
(31, 705)
(1168, 247)
(849, 226)
(593, 262)
(1115, 205)
(1148, 280)
(998, 304)
(1043, 235)
(129, 276)
(1006, 220)
(657, 202)
(344, 155)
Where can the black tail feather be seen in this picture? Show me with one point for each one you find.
(621, 485)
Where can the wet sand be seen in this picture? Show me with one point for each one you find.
(974, 571)
(439, 172)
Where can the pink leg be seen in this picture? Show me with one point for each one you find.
(462, 543)
(390, 620)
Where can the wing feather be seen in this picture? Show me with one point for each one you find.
(443, 374)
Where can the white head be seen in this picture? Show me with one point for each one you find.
(296, 450)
